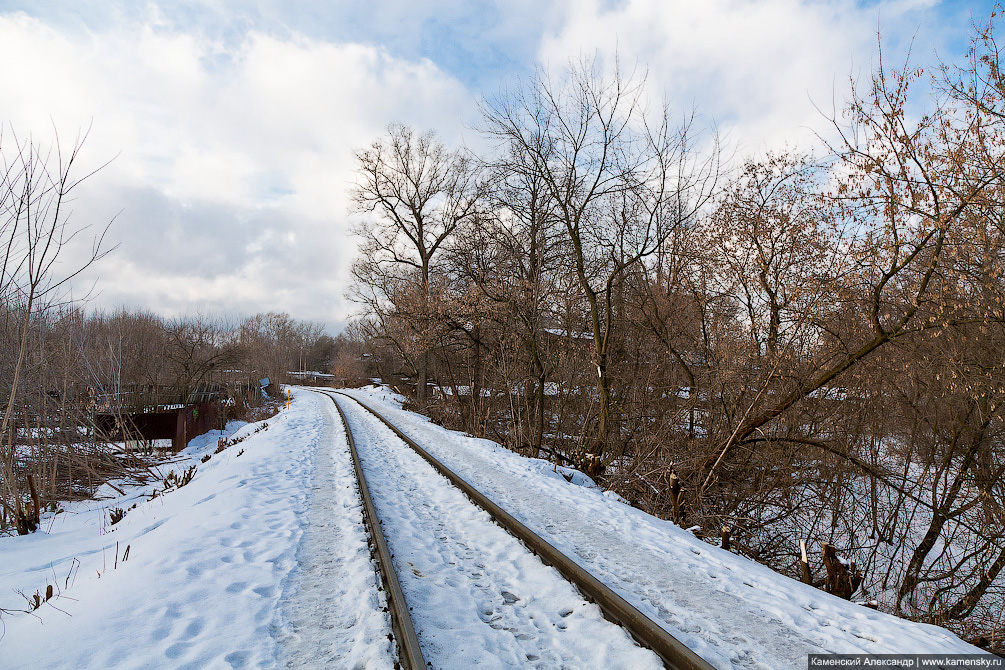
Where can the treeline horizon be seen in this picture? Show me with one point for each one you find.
(62, 363)
(77, 365)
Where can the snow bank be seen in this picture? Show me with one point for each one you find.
(207, 562)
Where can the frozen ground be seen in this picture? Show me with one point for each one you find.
(334, 613)
(260, 562)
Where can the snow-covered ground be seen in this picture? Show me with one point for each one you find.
(261, 562)
(479, 598)
(334, 614)
(207, 569)
(731, 611)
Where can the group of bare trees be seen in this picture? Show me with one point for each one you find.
(61, 365)
(811, 345)
(75, 365)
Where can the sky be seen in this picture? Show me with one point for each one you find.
(228, 126)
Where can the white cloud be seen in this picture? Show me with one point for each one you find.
(759, 68)
(234, 123)
(233, 159)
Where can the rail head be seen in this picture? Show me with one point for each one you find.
(674, 653)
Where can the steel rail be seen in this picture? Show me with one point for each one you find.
(409, 653)
(674, 653)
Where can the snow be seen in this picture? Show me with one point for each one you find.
(261, 562)
(479, 598)
(576, 335)
(334, 608)
(203, 584)
(731, 611)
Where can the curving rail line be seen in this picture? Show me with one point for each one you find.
(673, 652)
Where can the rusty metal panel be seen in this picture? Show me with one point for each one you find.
(178, 425)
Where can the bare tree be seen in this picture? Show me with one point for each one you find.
(814, 353)
(905, 189)
(196, 349)
(621, 179)
(418, 193)
(36, 183)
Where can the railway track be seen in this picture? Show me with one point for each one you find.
(672, 652)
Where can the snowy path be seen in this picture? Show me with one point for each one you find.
(479, 598)
(207, 568)
(335, 614)
(731, 611)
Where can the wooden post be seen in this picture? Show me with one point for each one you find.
(841, 581)
(33, 516)
(804, 564)
(675, 494)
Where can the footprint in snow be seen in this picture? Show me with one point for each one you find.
(236, 587)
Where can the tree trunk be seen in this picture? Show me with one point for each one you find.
(604, 411)
(421, 379)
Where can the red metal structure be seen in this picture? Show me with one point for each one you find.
(178, 425)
